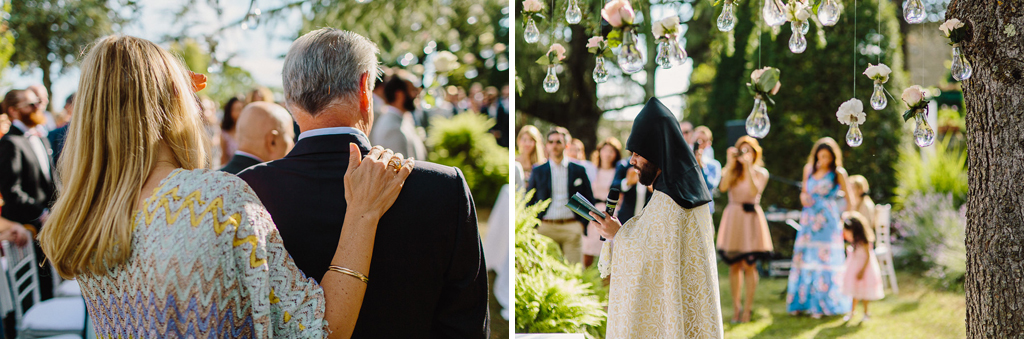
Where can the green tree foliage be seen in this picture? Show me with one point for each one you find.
(943, 172)
(463, 141)
(6, 36)
(475, 30)
(552, 296)
(51, 34)
(814, 84)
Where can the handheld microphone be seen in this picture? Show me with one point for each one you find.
(611, 202)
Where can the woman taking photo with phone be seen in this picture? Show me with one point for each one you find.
(743, 235)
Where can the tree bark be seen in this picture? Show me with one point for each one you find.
(994, 98)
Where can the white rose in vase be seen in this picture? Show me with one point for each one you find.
(618, 13)
(951, 24)
(879, 72)
(851, 112)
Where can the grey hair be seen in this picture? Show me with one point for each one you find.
(325, 65)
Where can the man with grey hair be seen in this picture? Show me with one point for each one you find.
(427, 271)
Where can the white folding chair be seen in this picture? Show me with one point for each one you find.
(64, 288)
(54, 317)
(883, 246)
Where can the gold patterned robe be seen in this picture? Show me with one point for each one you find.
(665, 276)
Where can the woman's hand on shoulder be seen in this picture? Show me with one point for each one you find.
(372, 183)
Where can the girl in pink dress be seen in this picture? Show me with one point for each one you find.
(863, 278)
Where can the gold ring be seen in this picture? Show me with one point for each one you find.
(395, 163)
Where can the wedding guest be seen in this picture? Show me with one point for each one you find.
(712, 168)
(688, 136)
(578, 154)
(527, 153)
(396, 129)
(607, 155)
(139, 218)
(498, 109)
(57, 136)
(863, 278)
(430, 277)
(558, 179)
(228, 144)
(264, 134)
(743, 236)
(665, 281)
(818, 252)
(861, 200)
(26, 170)
(259, 93)
(43, 108)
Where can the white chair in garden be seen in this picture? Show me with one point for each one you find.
(64, 288)
(64, 317)
(883, 247)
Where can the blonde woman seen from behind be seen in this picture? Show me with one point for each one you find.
(139, 218)
(743, 236)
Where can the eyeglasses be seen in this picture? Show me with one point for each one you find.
(31, 104)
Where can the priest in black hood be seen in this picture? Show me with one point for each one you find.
(666, 276)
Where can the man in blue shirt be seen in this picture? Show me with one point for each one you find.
(712, 168)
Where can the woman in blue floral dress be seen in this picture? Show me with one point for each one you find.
(818, 253)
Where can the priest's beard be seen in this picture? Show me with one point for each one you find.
(648, 174)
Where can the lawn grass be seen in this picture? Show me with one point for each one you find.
(919, 311)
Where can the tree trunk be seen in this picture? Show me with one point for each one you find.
(652, 51)
(994, 98)
(45, 64)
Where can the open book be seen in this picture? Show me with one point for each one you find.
(580, 205)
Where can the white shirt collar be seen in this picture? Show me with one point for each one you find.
(335, 130)
(20, 125)
(247, 154)
(564, 163)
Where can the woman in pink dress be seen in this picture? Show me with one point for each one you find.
(608, 153)
(743, 235)
(863, 279)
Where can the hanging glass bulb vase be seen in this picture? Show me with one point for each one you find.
(664, 57)
(797, 41)
(600, 73)
(924, 135)
(961, 68)
(913, 11)
(551, 80)
(854, 137)
(630, 59)
(727, 20)
(573, 14)
(772, 12)
(828, 12)
(878, 99)
(531, 34)
(757, 122)
(678, 53)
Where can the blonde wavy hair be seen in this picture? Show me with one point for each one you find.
(132, 97)
(538, 144)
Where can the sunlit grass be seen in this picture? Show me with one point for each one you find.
(919, 311)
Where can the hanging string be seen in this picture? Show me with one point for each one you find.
(880, 36)
(854, 48)
(759, 33)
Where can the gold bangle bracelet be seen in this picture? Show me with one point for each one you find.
(353, 273)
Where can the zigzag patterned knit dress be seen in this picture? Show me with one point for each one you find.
(207, 261)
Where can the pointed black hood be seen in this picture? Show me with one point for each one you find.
(656, 137)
